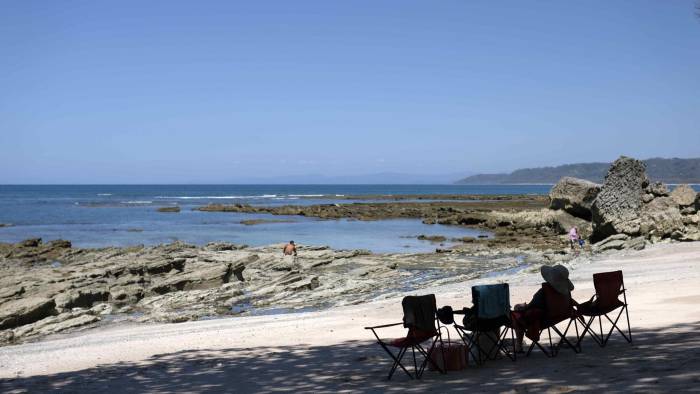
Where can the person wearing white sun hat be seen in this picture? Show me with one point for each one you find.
(558, 277)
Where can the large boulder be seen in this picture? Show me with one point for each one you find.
(617, 207)
(25, 311)
(684, 195)
(574, 196)
(661, 218)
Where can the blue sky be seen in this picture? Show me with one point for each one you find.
(142, 92)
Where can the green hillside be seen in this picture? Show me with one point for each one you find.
(664, 170)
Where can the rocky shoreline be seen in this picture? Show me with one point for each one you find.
(48, 288)
(53, 287)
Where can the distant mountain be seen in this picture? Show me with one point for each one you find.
(664, 170)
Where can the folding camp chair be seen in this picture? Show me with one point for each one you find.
(420, 319)
(486, 331)
(608, 288)
(560, 308)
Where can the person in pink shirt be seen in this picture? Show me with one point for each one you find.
(574, 237)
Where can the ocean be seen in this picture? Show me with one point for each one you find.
(122, 215)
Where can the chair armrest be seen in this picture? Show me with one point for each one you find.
(383, 326)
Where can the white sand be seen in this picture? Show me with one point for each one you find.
(330, 351)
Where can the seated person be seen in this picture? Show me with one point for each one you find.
(527, 316)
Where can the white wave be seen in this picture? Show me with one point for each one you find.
(104, 194)
(306, 195)
(215, 197)
(340, 195)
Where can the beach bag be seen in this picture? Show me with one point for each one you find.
(455, 356)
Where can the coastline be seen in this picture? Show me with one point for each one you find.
(52, 287)
(661, 282)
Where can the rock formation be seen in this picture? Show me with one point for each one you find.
(617, 207)
(630, 206)
(51, 287)
(684, 196)
(574, 196)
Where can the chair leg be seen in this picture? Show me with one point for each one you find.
(563, 339)
(629, 328)
(474, 349)
(586, 330)
(578, 344)
(397, 361)
(415, 364)
(616, 327)
(537, 343)
(427, 359)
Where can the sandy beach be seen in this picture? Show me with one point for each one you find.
(329, 351)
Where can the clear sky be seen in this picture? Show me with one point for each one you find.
(170, 91)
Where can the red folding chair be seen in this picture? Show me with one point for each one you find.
(560, 308)
(421, 320)
(608, 288)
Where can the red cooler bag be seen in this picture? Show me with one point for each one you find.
(455, 356)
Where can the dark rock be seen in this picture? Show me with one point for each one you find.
(59, 244)
(690, 236)
(617, 207)
(25, 311)
(574, 196)
(689, 210)
(306, 284)
(160, 267)
(253, 222)
(174, 209)
(222, 246)
(30, 243)
(125, 295)
(657, 189)
(432, 238)
(81, 298)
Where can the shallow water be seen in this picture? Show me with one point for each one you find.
(121, 215)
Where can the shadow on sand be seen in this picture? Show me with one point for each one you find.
(660, 360)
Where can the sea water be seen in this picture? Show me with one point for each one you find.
(121, 215)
